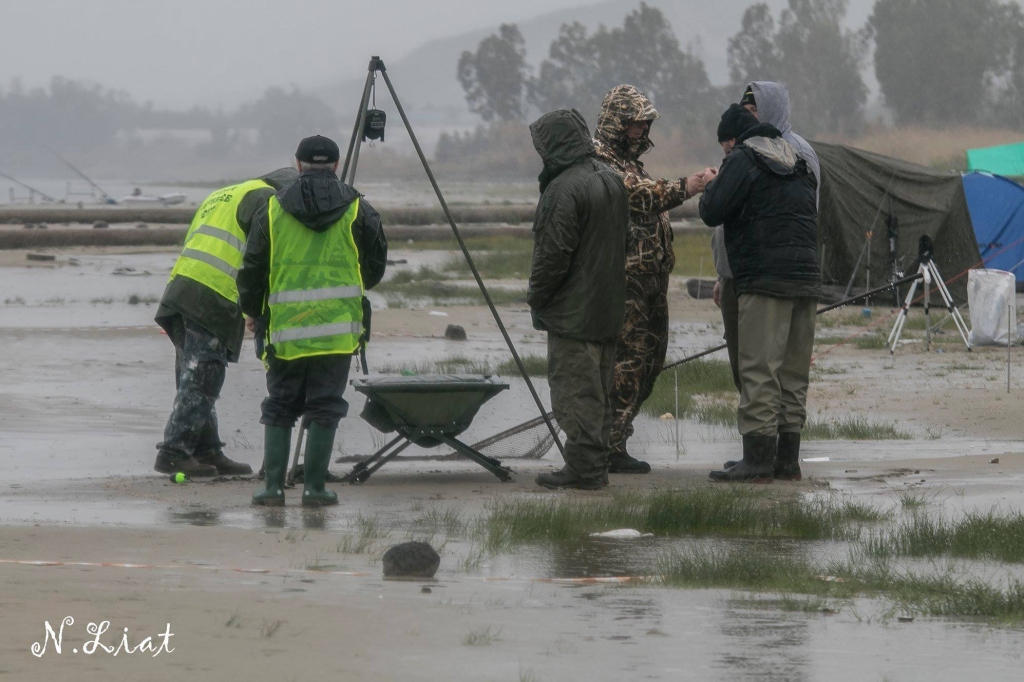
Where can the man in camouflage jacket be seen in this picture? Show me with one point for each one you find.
(622, 136)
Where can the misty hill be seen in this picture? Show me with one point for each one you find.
(425, 78)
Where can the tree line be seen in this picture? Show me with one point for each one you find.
(937, 62)
(71, 116)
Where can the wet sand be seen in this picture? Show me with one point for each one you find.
(87, 530)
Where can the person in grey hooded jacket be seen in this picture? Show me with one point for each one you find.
(577, 291)
(769, 101)
(764, 196)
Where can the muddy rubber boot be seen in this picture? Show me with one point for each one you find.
(319, 445)
(277, 443)
(787, 458)
(758, 460)
(623, 463)
(224, 466)
(563, 480)
(167, 464)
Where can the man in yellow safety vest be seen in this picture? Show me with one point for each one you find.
(200, 313)
(314, 250)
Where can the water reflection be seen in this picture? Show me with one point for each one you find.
(598, 558)
(201, 516)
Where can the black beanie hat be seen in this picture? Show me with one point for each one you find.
(318, 149)
(735, 121)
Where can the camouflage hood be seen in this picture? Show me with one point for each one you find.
(623, 104)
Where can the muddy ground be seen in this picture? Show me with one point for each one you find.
(88, 531)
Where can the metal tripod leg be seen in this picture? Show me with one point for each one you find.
(363, 470)
(489, 463)
(303, 427)
(897, 328)
(947, 298)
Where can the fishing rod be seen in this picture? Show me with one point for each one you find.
(819, 311)
(44, 195)
(108, 199)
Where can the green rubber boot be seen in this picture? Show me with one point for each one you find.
(277, 441)
(319, 446)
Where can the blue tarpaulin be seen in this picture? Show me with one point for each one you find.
(996, 206)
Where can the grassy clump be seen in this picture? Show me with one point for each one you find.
(536, 366)
(505, 264)
(699, 377)
(474, 244)
(854, 428)
(943, 593)
(440, 293)
(693, 254)
(705, 510)
(976, 536)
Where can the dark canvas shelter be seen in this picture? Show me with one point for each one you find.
(861, 191)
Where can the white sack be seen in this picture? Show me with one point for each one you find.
(988, 294)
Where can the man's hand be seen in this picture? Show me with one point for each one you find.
(250, 323)
(709, 175)
(716, 293)
(695, 184)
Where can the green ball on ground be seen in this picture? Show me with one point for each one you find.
(178, 478)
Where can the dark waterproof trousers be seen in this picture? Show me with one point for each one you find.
(640, 352)
(580, 380)
(200, 363)
(308, 386)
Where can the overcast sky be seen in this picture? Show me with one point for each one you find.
(182, 52)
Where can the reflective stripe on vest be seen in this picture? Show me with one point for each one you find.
(215, 241)
(315, 296)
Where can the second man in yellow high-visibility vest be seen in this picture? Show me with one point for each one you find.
(199, 311)
(313, 252)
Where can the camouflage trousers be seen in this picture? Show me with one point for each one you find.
(640, 352)
(200, 363)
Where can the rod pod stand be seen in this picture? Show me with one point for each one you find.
(348, 175)
(928, 273)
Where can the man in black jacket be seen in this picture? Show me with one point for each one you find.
(199, 311)
(314, 249)
(765, 197)
(577, 291)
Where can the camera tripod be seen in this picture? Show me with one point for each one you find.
(928, 273)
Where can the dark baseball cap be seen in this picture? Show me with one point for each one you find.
(318, 149)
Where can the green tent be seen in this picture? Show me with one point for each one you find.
(1007, 160)
(863, 192)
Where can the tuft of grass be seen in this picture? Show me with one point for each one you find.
(446, 519)
(716, 412)
(854, 428)
(699, 377)
(704, 510)
(441, 293)
(977, 535)
(511, 264)
(270, 628)
(536, 366)
(474, 244)
(693, 254)
(484, 637)
(942, 593)
(367, 529)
